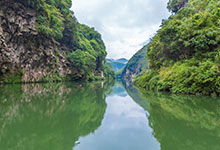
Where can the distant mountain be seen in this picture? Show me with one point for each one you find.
(117, 64)
(122, 60)
(135, 65)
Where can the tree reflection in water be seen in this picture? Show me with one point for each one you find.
(182, 122)
(49, 116)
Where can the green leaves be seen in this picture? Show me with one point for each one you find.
(92, 52)
(82, 45)
(84, 61)
(185, 52)
(187, 77)
(184, 36)
(50, 15)
(90, 55)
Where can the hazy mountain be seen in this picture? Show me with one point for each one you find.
(117, 64)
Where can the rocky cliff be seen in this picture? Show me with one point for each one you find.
(135, 65)
(33, 50)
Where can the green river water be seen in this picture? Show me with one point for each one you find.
(101, 116)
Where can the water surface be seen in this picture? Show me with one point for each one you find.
(97, 116)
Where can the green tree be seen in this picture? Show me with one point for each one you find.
(84, 61)
(184, 54)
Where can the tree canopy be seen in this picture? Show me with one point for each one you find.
(184, 54)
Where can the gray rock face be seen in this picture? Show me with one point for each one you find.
(129, 73)
(135, 65)
(24, 50)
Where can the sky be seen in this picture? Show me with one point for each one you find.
(125, 25)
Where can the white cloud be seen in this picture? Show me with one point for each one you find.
(124, 24)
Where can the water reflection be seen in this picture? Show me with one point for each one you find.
(124, 127)
(49, 116)
(82, 117)
(181, 122)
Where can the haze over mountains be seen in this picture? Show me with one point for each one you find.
(117, 64)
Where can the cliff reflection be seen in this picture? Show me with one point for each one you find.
(49, 116)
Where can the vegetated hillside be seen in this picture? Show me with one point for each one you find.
(41, 40)
(136, 64)
(184, 56)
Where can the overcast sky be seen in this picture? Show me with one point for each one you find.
(125, 25)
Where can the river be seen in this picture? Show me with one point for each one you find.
(97, 116)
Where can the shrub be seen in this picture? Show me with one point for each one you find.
(184, 55)
(148, 80)
(83, 61)
(188, 77)
(192, 31)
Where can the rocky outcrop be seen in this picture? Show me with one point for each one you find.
(25, 54)
(175, 5)
(135, 65)
(130, 72)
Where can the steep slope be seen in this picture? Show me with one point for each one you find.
(42, 40)
(184, 56)
(135, 65)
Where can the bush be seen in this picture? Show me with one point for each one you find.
(148, 80)
(83, 61)
(51, 15)
(184, 55)
(191, 32)
(188, 77)
(108, 71)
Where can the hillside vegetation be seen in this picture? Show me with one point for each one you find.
(41, 40)
(136, 64)
(184, 56)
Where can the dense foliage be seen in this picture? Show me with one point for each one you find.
(109, 73)
(190, 77)
(51, 15)
(90, 54)
(84, 46)
(184, 55)
(82, 60)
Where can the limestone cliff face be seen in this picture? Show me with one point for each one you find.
(135, 65)
(129, 73)
(24, 52)
(27, 55)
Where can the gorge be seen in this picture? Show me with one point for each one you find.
(62, 86)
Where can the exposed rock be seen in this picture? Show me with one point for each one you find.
(135, 65)
(24, 50)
